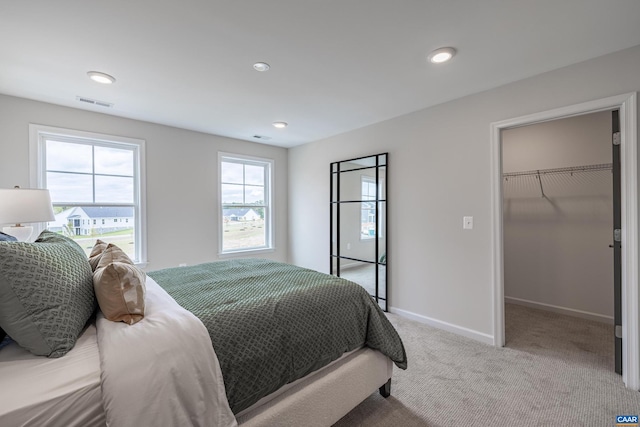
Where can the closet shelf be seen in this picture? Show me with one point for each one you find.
(558, 171)
(572, 169)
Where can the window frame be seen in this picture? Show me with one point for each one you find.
(38, 134)
(268, 205)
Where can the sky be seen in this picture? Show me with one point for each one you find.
(75, 171)
(242, 179)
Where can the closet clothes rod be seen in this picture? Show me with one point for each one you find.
(571, 169)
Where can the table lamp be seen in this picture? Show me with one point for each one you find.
(24, 205)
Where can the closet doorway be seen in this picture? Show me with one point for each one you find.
(558, 221)
(630, 292)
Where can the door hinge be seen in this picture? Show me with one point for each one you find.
(618, 331)
(616, 138)
(617, 235)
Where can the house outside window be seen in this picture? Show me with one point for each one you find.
(245, 203)
(91, 178)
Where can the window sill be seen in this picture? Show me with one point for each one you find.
(142, 264)
(245, 252)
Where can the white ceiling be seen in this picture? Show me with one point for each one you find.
(336, 65)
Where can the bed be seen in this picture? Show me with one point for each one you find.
(168, 368)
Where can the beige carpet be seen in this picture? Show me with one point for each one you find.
(365, 276)
(555, 371)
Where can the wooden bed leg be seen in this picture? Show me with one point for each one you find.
(385, 389)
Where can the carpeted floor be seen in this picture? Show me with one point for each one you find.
(365, 276)
(555, 370)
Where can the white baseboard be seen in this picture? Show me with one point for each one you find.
(562, 310)
(449, 327)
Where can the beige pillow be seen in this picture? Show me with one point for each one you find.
(119, 286)
(96, 253)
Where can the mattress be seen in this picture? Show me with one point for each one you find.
(36, 390)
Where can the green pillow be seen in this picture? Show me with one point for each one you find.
(46, 293)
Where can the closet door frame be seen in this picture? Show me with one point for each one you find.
(627, 104)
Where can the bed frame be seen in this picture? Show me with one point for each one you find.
(322, 398)
(319, 399)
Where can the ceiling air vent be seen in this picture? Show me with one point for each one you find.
(94, 102)
(266, 138)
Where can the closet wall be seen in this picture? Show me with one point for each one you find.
(556, 253)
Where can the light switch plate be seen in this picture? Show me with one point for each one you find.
(467, 222)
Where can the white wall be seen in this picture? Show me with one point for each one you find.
(556, 248)
(182, 176)
(439, 171)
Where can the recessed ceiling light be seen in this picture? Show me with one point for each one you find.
(99, 77)
(261, 66)
(280, 125)
(441, 55)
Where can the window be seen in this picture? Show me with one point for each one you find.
(368, 208)
(92, 176)
(245, 203)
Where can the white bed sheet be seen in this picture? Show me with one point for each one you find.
(161, 371)
(39, 391)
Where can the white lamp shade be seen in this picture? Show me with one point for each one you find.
(25, 205)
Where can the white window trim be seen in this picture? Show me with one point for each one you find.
(269, 191)
(37, 134)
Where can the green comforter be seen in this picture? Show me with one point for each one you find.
(272, 323)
